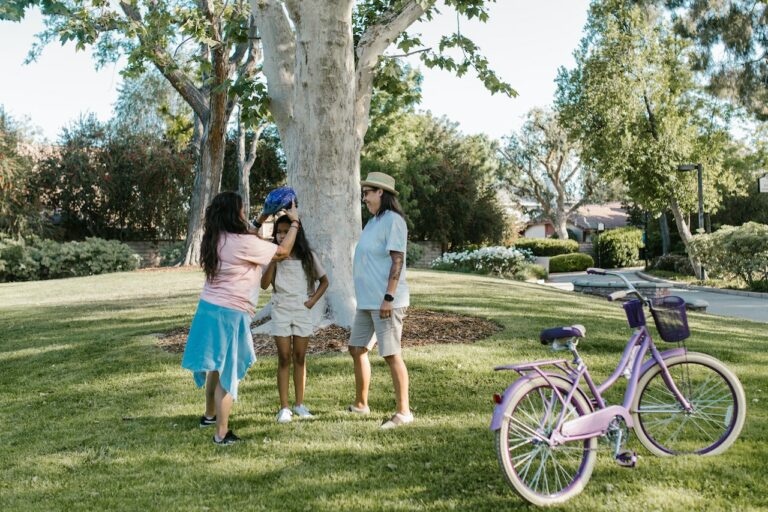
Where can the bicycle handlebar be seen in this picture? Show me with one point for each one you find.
(621, 293)
(617, 295)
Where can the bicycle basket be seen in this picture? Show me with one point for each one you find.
(670, 318)
(634, 310)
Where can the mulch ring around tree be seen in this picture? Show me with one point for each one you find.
(421, 327)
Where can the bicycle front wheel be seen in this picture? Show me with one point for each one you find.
(540, 473)
(719, 407)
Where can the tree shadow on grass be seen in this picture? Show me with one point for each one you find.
(339, 465)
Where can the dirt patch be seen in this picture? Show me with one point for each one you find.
(421, 327)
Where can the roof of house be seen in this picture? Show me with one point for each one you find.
(612, 215)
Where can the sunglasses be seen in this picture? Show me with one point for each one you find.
(364, 192)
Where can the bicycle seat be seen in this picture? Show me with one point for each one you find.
(556, 333)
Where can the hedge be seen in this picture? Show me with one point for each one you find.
(36, 259)
(619, 247)
(571, 262)
(547, 246)
(736, 251)
(678, 263)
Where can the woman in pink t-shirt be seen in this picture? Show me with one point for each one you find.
(219, 347)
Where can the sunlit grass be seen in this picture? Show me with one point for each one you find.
(96, 417)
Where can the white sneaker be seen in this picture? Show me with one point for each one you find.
(284, 415)
(302, 412)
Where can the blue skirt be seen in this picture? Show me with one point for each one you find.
(219, 340)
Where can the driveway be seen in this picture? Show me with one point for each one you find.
(735, 306)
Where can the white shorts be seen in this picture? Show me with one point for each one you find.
(388, 331)
(291, 318)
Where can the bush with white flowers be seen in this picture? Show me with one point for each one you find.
(487, 260)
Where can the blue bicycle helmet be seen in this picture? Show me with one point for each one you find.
(279, 199)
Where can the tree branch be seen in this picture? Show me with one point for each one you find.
(279, 44)
(372, 44)
(167, 66)
(651, 117)
(248, 67)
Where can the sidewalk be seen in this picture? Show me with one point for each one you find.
(730, 303)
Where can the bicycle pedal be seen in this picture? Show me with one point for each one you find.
(626, 459)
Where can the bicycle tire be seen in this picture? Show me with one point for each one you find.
(570, 468)
(719, 407)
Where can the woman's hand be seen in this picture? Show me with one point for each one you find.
(309, 304)
(292, 212)
(385, 310)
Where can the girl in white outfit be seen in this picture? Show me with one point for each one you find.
(293, 296)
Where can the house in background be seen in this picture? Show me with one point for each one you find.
(587, 220)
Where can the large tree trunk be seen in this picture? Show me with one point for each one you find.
(323, 166)
(211, 166)
(245, 161)
(685, 235)
(560, 223)
(320, 102)
(244, 174)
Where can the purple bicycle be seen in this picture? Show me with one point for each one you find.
(548, 421)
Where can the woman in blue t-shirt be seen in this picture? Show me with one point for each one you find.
(382, 295)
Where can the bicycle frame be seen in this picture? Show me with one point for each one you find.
(597, 422)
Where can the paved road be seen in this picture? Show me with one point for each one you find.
(736, 306)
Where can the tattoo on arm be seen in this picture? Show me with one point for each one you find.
(397, 266)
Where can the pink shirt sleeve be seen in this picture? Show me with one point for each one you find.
(255, 250)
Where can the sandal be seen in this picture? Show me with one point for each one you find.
(359, 410)
(397, 420)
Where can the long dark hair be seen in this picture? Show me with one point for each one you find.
(389, 202)
(301, 249)
(223, 215)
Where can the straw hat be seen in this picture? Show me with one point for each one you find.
(380, 180)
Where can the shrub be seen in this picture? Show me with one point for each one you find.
(488, 260)
(47, 259)
(413, 253)
(740, 251)
(531, 271)
(619, 247)
(678, 263)
(112, 184)
(16, 262)
(571, 262)
(171, 254)
(547, 246)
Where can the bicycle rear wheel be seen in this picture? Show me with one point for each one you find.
(717, 397)
(542, 474)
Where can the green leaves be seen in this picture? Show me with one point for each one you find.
(736, 252)
(633, 103)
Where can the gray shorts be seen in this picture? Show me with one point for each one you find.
(388, 331)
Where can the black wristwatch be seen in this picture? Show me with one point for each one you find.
(388, 297)
(256, 223)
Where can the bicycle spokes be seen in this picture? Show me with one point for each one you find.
(543, 468)
(676, 430)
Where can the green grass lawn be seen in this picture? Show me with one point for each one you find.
(96, 417)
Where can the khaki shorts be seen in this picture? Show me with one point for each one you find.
(291, 318)
(388, 331)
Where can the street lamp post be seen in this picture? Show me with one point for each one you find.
(698, 169)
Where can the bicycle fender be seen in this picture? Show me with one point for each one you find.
(664, 355)
(498, 411)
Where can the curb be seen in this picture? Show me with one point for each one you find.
(584, 273)
(757, 295)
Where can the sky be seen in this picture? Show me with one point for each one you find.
(525, 41)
